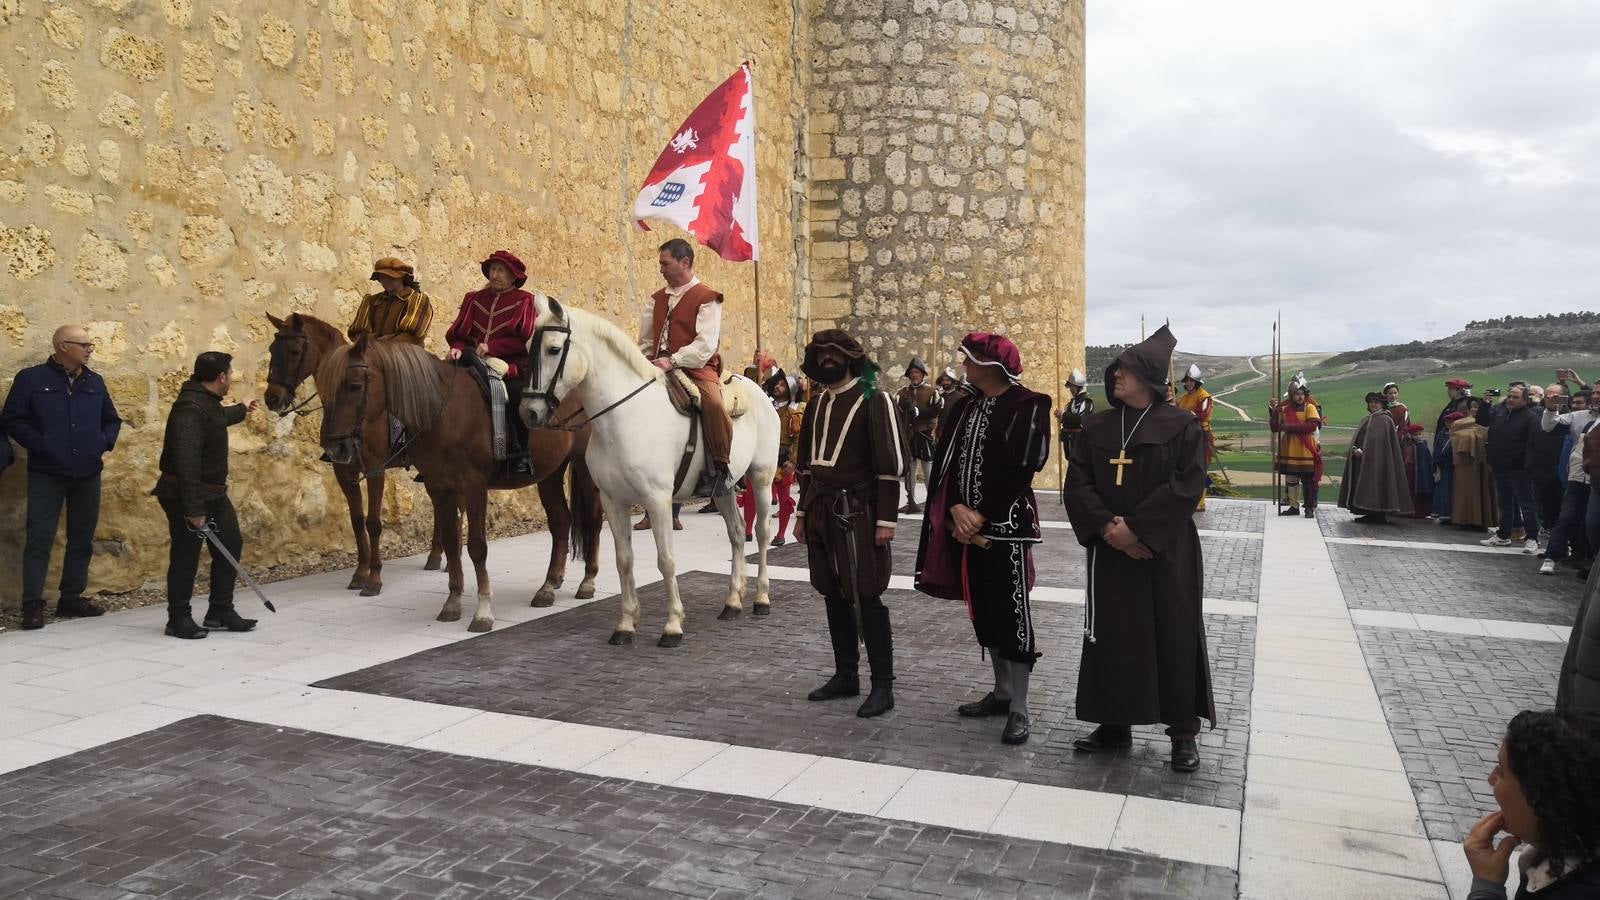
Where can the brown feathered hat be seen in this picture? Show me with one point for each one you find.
(839, 340)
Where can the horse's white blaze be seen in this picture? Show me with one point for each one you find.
(636, 448)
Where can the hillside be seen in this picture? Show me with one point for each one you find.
(1494, 342)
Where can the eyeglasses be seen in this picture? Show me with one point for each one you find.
(87, 345)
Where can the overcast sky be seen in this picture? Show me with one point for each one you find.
(1382, 171)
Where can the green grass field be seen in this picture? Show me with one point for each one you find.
(1343, 398)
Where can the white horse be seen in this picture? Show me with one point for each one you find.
(638, 444)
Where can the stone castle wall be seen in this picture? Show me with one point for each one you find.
(170, 170)
(947, 177)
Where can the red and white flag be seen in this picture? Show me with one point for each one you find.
(705, 180)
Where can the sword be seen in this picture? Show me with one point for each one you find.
(210, 534)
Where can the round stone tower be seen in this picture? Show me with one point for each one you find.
(946, 162)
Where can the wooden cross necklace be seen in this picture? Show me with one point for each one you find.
(1122, 458)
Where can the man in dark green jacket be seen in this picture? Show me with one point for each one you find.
(193, 490)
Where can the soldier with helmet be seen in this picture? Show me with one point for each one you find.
(1196, 399)
(1079, 407)
(919, 403)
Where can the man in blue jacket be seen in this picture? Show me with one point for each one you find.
(61, 413)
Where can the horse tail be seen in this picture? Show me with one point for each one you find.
(585, 496)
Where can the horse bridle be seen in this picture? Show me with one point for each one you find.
(548, 395)
(361, 419)
(272, 374)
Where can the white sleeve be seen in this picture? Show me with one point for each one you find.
(707, 334)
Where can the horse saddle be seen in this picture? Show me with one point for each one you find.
(685, 395)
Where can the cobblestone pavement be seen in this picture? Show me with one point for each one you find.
(1341, 523)
(1220, 514)
(744, 682)
(1452, 583)
(1448, 698)
(1232, 564)
(210, 807)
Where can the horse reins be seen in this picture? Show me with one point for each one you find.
(410, 437)
(548, 395)
(291, 335)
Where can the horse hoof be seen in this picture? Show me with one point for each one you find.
(449, 616)
(543, 598)
(619, 638)
(479, 626)
(670, 640)
(355, 584)
(762, 609)
(432, 565)
(372, 590)
(729, 612)
(585, 592)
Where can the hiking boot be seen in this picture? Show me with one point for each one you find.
(33, 616)
(77, 608)
(185, 628)
(229, 618)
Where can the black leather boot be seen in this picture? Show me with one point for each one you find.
(184, 627)
(846, 682)
(880, 656)
(1185, 754)
(220, 617)
(33, 615)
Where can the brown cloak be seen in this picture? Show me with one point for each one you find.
(1375, 481)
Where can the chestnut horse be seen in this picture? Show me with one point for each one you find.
(300, 346)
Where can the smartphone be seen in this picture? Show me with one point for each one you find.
(1493, 392)
(1563, 403)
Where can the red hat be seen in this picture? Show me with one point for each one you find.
(519, 272)
(1457, 383)
(987, 349)
(1414, 428)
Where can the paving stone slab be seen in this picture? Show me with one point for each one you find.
(744, 682)
(210, 807)
(1450, 583)
(1219, 514)
(1232, 564)
(1448, 699)
(1341, 523)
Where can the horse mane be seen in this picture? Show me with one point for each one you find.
(312, 326)
(611, 337)
(411, 377)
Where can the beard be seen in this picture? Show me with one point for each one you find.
(831, 373)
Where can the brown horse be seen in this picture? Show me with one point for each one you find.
(296, 350)
(301, 345)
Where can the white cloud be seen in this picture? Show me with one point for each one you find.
(1370, 168)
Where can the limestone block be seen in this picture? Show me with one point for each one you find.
(198, 70)
(60, 90)
(140, 58)
(277, 41)
(110, 340)
(226, 30)
(63, 25)
(13, 191)
(123, 113)
(318, 257)
(68, 200)
(160, 269)
(264, 190)
(28, 251)
(168, 344)
(75, 159)
(205, 239)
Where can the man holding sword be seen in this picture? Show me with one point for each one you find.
(193, 492)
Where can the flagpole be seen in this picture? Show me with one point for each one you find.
(759, 346)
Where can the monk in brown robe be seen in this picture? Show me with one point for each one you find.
(1133, 479)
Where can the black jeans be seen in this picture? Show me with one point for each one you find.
(184, 560)
(1515, 490)
(1568, 533)
(46, 495)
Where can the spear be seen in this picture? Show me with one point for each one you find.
(1274, 439)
